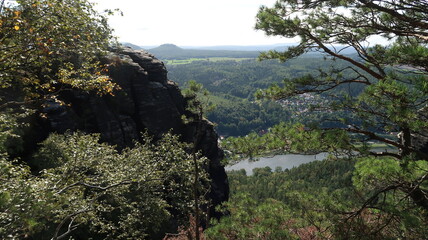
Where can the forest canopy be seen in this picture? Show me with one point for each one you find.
(75, 186)
(391, 108)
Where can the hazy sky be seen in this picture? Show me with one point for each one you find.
(188, 22)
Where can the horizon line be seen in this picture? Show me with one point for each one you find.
(220, 45)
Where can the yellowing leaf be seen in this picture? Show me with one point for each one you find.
(16, 28)
(17, 13)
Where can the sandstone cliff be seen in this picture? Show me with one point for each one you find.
(147, 101)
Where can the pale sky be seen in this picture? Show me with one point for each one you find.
(188, 22)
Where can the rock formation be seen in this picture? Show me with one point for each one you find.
(147, 101)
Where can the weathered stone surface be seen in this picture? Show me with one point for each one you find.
(147, 101)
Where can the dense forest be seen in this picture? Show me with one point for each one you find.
(233, 85)
(384, 193)
(282, 204)
(335, 91)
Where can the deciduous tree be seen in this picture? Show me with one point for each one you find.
(89, 189)
(46, 45)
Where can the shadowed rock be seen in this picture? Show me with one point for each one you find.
(147, 101)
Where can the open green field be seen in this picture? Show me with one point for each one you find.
(212, 59)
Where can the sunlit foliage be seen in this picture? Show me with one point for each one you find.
(89, 188)
(390, 109)
(46, 45)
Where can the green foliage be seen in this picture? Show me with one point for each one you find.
(251, 220)
(242, 79)
(11, 129)
(291, 138)
(198, 98)
(47, 46)
(90, 188)
(79, 188)
(232, 85)
(376, 177)
(391, 95)
(376, 172)
(414, 53)
(197, 105)
(237, 117)
(390, 98)
(328, 199)
(389, 79)
(330, 175)
(23, 207)
(300, 201)
(50, 44)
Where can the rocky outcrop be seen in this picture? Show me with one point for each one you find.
(147, 101)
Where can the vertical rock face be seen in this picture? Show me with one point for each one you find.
(147, 101)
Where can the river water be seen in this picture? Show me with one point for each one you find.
(284, 161)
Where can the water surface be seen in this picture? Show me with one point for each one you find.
(284, 161)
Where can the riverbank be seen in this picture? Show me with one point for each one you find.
(286, 161)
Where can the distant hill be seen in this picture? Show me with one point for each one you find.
(243, 48)
(167, 50)
(171, 51)
(133, 46)
(174, 52)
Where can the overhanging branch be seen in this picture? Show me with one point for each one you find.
(350, 60)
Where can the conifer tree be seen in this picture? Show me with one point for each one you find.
(382, 92)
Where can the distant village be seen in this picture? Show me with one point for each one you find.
(304, 103)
